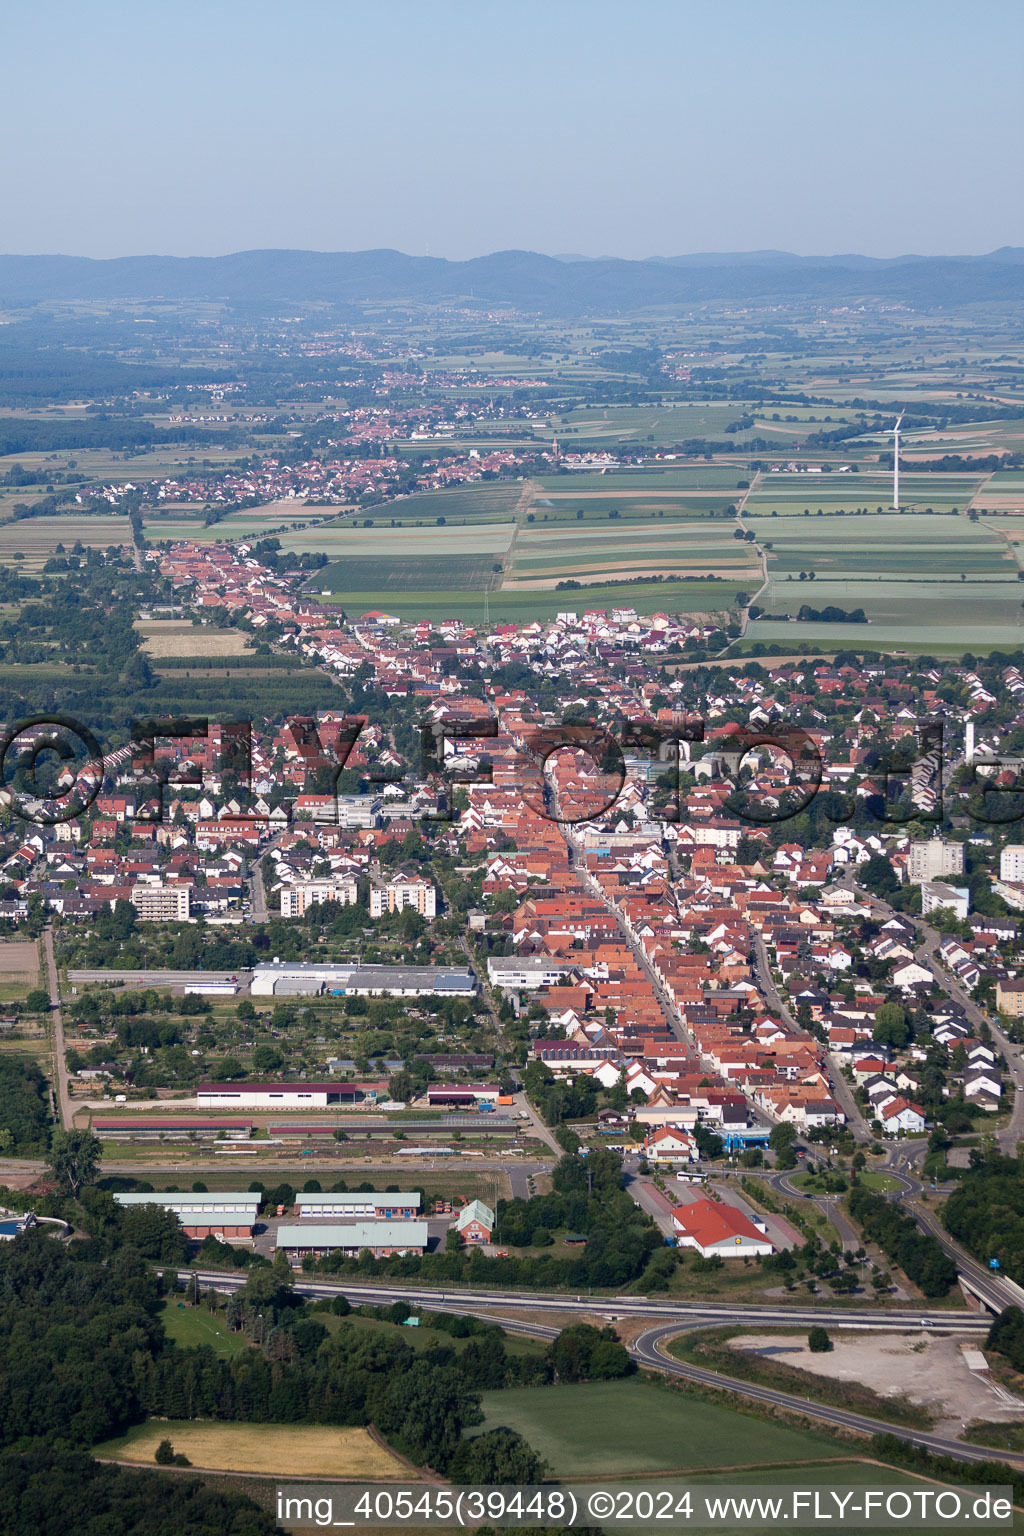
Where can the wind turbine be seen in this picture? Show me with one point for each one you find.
(896, 461)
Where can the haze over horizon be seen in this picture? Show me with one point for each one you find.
(469, 128)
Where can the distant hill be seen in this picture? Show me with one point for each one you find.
(524, 279)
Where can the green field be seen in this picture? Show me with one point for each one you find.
(619, 1427)
(179, 522)
(933, 616)
(598, 506)
(525, 606)
(465, 573)
(193, 1326)
(545, 555)
(602, 425)
(666, 480)
(792, 495)
(935, 548)
(461, 504)
(941, 584)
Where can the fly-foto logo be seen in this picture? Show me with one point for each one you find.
(52, 770)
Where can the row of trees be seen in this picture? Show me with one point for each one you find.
(917, 1253)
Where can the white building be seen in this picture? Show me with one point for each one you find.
(935, 893)
(934, 860)
(712, 1227)
(1011, 863)
(296, 898)
(162, 903)
(403, 891)
(526, 971)
(299, 979)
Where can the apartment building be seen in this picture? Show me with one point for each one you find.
(400, 892)
(162, 903)
(935, 859)
(296, 898)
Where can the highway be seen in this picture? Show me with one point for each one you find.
(649, 1347)
(680, 1314)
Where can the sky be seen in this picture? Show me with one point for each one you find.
(457, 127)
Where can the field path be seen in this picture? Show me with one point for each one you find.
(971, 500)
(528, 496)
(762, 553)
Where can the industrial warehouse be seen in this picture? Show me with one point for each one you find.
(381, 1238)
(229, 1215)
(354, 1207)
(300, 1095)
(297, 979)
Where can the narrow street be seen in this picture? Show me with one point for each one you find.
(840, 1087)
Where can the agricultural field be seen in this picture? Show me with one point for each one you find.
(667, 479)
(161, 638)
(940, 584)
(346, 541)
(19, 969)
(282, 1450)
(182, 521)
(599, 426)
(475, 503)
(33, 540)
(1002, 492)
(630, 1427)
(893, 545)
(503, 606)
(544, 556)
(795, 495)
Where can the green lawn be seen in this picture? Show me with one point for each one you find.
(192, 1326)
(619, 1427)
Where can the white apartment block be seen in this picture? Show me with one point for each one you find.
(935, 893)
(162, 903)
(934, 860)
(403, 891)
(1011, 863)
(296, 898)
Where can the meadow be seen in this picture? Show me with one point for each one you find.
(192, 1327)
(629, 1427)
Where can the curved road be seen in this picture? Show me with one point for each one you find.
(648, 1349)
